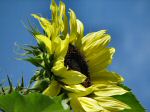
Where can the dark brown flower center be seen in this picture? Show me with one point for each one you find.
(75, 61)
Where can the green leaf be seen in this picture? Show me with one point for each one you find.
(130, 99)
(33, 102)
(58, 99)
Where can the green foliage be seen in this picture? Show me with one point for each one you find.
(130, 100)
(33, 102)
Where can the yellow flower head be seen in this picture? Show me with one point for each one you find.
(79, 63)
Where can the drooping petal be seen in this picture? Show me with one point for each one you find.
(107, 89)
(46, 41)
(79, 90)
(67, 76)
(46, 25)
(106, 76)
(51, 90)
(111, 104)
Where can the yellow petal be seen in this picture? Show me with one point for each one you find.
(46, 25)
(107, 89)
(78, 107)
(80, 32)
(106, 76)
(74, 102)
(100, 60)
(47, 42)
(67, 76)
(62, 51)
(73, 26)
(97, 45)
(53, 89)
(92, 37)
(64, 17)
(111, 104)
(79, 90)
(62, 8)
(56, 23)
(101, 55)
(54, 9)
(80, 28)
(89, 104)
(56, 44)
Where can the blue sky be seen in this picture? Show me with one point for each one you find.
(128, 22)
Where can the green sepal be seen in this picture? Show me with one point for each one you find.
(34, 60)
(39, 74)
(31, 50)
(10, 85)
(20, 86)
(31, 29)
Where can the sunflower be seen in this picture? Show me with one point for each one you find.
(78, 63)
